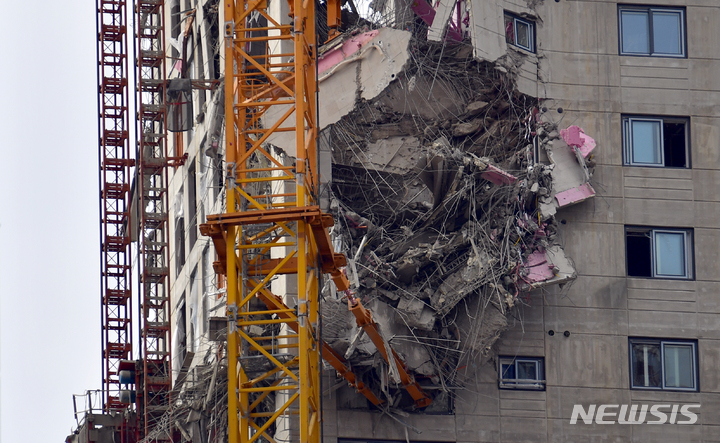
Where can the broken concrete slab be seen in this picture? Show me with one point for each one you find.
(392, 154)
(487, 30)
(385, 316)
(538, 268)
(481, 327)
(461, 283)
(575, 136)
(342, 49)
(476, 107)
(498, 176)
(570, 175)
(416, 314)
(550, 267)
(575, 195)
(439, 23)
(362, 69)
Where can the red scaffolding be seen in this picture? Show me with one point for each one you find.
(155, 382)
(115, 177)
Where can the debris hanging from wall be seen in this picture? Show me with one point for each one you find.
(445, 188)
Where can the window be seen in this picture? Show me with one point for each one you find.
(522, 373)
(659, 252)
(656, 141)
(663, 364)
(520, 32)
(192, 200)
(653, 31)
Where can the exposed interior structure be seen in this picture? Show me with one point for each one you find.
(481, 197)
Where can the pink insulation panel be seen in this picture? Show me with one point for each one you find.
(575, 195)
(498, 176)
(575, 136)
(348, 48)
(538, 268)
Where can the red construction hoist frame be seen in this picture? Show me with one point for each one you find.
(153, 397)
(115, 175)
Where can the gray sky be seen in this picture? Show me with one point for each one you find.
(49, 240)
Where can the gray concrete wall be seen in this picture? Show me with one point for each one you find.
(579, 70)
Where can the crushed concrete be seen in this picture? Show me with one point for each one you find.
(442, 201)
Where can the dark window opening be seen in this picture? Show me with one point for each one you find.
(182, 326)
(179, 245)
(211, 17)
(192, 199)
(639, 253)
(674, 140)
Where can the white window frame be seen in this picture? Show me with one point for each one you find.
(537, 384)
(531, 26)
(649, 10)
(687, 251)
(663, 343)
(686, 254)
(628, 151)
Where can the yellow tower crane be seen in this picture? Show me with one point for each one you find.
(273, 226)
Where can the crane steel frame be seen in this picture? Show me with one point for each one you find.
(266, 230)
(269, 230)
(115, 163)
(153, 397)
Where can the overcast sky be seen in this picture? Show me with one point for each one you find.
(49, 240)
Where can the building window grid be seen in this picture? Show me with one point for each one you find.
(675, 371)
(524, 373)
(667, 261)
(520, 32)
(662, 153)
(626, 11)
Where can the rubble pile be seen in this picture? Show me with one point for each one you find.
(445, 187)
(199, 413)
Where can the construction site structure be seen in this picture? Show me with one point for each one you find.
(116, 163)
(472, 214)
(273, 226)
(294, 216)
(154, 377)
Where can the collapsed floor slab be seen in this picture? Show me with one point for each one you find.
(443, 207)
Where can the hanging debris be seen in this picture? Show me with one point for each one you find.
(445, 187)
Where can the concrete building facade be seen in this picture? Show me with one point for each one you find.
(639, 325)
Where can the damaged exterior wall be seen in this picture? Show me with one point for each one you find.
(449, 232)
(582, 81)
(427, 108)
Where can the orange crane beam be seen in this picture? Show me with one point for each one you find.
(215, 228)
(364, 320)
(273, 229)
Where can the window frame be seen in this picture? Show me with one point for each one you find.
(688, 250)
(531, 26)
(537, 384)
(662, 342)
(649, 9)
(627, 139)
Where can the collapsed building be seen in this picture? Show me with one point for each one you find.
(516, 202)
(444, 181)
(445, 208)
